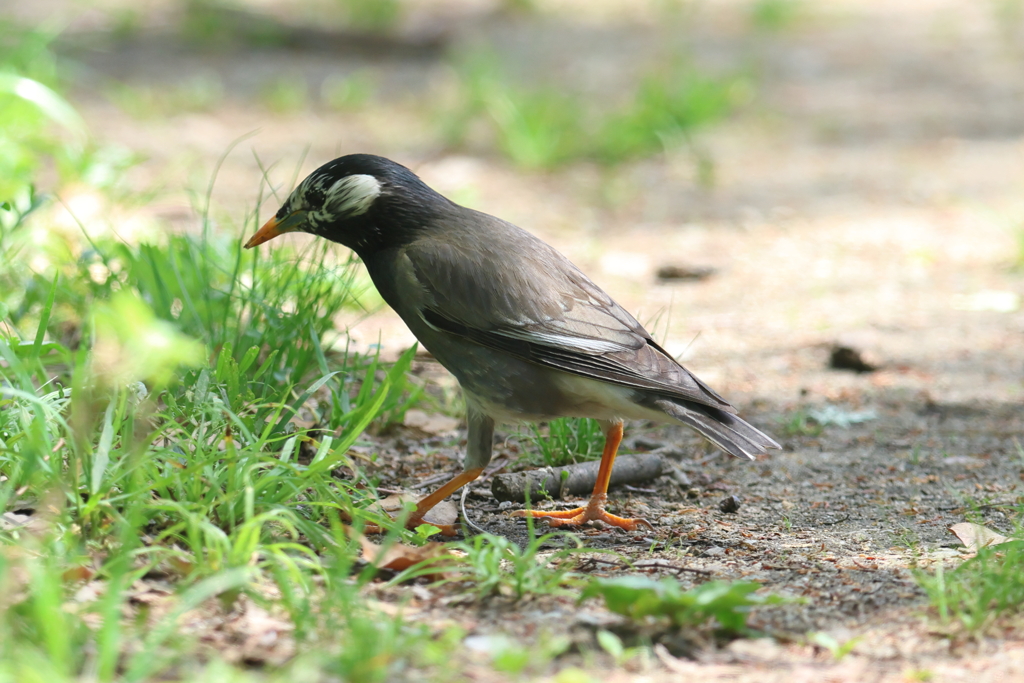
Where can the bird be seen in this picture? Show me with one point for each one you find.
(526, 333)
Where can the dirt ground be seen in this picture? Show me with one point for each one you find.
(868, 194)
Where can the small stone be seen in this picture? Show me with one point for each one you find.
(729, 504)
(848, 358)
(680, 478)
(693, 493)
(685, 273)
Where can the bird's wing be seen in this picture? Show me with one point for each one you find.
(513, 293)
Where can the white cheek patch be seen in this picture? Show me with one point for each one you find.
(352, 195)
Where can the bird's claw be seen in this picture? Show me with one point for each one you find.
(578, 516)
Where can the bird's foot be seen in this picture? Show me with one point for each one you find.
(593, 511)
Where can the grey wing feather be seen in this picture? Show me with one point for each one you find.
(547, 312)
(729, 432)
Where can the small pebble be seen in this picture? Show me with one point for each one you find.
(729, 504)
(848, 358)
(685, 272)
(680, 478)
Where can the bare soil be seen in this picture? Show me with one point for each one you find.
(868, 194)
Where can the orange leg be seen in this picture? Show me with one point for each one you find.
(437, 496)
(425, 505)
(595, 508)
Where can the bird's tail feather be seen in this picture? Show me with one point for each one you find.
(727, 431)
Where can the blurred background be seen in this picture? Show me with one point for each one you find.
(757, 180)
(818, 206)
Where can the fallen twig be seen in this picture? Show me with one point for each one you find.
(676, 568)
(837, 521)
(573, 480)
(429, 481)
(648, 564)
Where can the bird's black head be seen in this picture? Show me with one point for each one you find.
(363, 201)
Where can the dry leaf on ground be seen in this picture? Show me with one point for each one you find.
(443, 514)
(399, 557)
(976, 536)
(255, 636)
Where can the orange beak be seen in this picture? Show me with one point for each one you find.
(274, 227)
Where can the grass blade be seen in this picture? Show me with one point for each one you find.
(102, 457)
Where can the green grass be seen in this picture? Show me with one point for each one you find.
(496, 565)
(39, 125)
(349, 92)
(40, 129)
(800, 423)
(725, 604)
(200, 92)
(371, 15)
(667, 107)
(776, 15)
(215, 25)
(564, 441)
(985, 588)
(156, 447)
(147, 397)
(47, 635)
(175, 416)
(547, 125)
(1018, 237)
(285, 94)
(837, 649)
